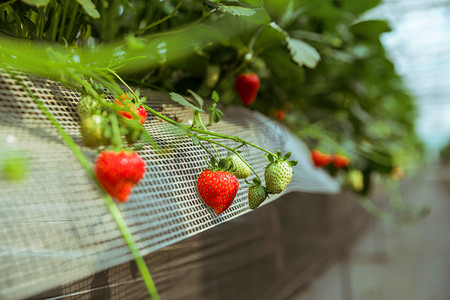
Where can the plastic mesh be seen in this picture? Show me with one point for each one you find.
(55, 227)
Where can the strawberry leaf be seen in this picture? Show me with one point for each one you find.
(302, 53)
(89, 8)
(197, 98)
(237, 10)
(181, 100)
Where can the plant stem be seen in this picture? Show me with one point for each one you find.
(142, 30)
(71, 22)
(115, 212)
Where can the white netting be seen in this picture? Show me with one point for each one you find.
(55, 227)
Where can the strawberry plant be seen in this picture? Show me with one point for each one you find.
(321, 70)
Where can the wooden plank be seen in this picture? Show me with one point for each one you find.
(271, 253)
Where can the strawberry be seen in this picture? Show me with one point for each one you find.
(320, 159)
(118, 172)
(247, 87)
(92, 129)
(217, 188)
(278, 172)
(87, 106)
(256, 194)
(239, 168)
(280, 115)
(340, 161)
(134, 106)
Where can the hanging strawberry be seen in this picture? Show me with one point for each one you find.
(134, 105)
(239, 168)
(278, 172)
(340, 161)
(118, 172)
(247, 87)
(217, 186)
(320, 159)
(256, 194)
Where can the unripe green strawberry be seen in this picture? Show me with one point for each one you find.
(256, 195)
(278, 172)
(92, 128)
(87, 106)
(240, 169)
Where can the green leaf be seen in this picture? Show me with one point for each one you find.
(357, 7)
(302, 53)
(271, 35)
(197, 98)
(181, 100)
(237, 10)
(36, 2)
(89, 8)
(254, 3)
(371, 29)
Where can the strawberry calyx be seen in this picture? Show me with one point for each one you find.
(224, 165)
(278, 157)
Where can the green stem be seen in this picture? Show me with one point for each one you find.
(161, 20)
(115, 212)
(116, 139)
(233, 138)
(183, 29)
(55, 21)
(63, 21)
(8, 2)
(69, 30)
(126, 233)
(232, 150)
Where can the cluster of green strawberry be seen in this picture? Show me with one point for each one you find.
(102, 124)
(218, 184)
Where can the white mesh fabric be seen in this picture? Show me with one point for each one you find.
(55, 227)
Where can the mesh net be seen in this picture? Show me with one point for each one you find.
(55, 227)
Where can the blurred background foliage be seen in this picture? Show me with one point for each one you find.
(324, 72)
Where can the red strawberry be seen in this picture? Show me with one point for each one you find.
(118, 172)
(340, 161)
(218, 189)
(138, 110)
(247, 86)
(320, 159)
(280, 115)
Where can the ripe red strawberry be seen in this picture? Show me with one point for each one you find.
(217, 188)
(118, 172)
(320, 159)
(340, 161)
(136, 108)
(247, 86)
(280, 115)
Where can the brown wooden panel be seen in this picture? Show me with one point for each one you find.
(270, 253)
